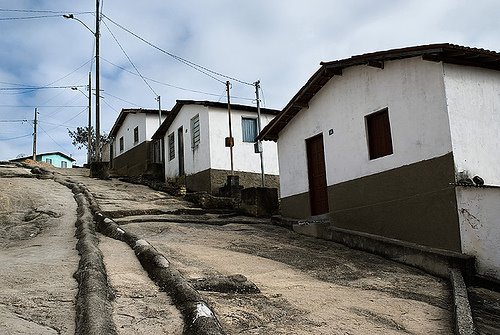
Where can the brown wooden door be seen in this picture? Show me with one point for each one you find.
(318, 193)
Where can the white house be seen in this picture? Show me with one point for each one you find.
(131, 151)
(381, 143)
(194, 135)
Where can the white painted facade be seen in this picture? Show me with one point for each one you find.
(211, 152)
(434, 109)
(473, 99)
(147, 124)
(195, 159)
(414, 93)
(479, 216)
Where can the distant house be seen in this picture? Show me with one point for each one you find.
(131, 152)
(194, 134)
(57, 159)
(384, 142)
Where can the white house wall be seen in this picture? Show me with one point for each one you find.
(473, 96)
(195, 160)
(147, 123)
(245, 159)
(479, 215)
(413, 92)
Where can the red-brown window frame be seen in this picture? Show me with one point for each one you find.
(378, 129)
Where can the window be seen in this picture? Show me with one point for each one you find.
(136, 135)
(121, 144)
(64, 164)
(48, 160)
(379, 134)
(195, 131)
(171, 146)
(249, 129)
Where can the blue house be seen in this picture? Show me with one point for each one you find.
(57, 159)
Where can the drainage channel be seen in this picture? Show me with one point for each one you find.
(199, 317)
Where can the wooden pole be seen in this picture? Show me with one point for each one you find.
(34, 134)
(89, 129)
(97, 87)
(231, 141)
(259, 143)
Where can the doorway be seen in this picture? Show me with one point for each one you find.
(316, 170)
(180, 150)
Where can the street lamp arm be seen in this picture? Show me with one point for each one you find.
(79, 90)
(72, 17)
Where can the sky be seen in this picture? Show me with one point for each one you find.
(281, 43)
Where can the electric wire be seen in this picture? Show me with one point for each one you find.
(193, 65)
(29, 17)
(40, 11)
(15, 138)
(170, 85)
(112, 108)
(130, 61)
(30, 90)
(48, 135)
(44, 106)
(76, 97)
(123, 100)
(38, 87)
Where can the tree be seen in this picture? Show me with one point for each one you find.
(79, 138)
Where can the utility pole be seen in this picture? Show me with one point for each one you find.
(97, 87)
(230, 140)
(160, 156)
(259, 142)
(89, 129)
(34, 134)
(159, 110)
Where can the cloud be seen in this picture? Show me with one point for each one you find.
(280, 43)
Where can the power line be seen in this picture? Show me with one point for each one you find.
(15, 138)
(29, 90)
(193, 65)
(113, 96)
(39, 11)
(130, 61)
(13, 121)
(170, 85)
(57, 125)
(45, 106)
(28, 17)
(60, 146)
(37, 87)
(113, 108)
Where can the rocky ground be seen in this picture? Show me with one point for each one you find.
(303, 285)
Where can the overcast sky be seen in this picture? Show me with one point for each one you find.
(280, 43)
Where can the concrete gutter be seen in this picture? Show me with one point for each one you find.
(199, 318)
(464, 324)
(94, 311)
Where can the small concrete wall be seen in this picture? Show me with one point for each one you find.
(434, 261)
(479, 216)
(212, 180)
(259, 201)
(218, 179)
